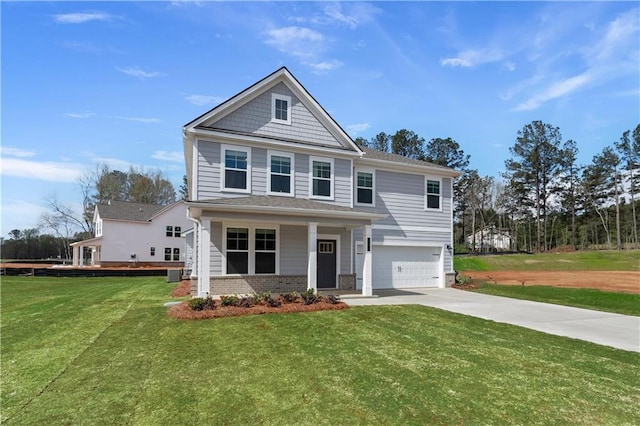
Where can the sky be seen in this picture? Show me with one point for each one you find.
(88, 83)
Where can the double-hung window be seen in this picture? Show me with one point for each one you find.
(167, 253)
(251, 250)
(280, 173)
(364, 188)
(321, 177)
(280, 109)
(237, 250)
(236, 168)
(433, 194)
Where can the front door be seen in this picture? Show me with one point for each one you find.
(326, 263)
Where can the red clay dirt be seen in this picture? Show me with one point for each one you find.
(617, 281)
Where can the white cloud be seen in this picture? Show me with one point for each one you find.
(41, 170)
(354, 129)
(80, 114)
(204, 99)
(175, 156)
(509, 66)
(16, 152)
(298, 41)
(556, 90)
(472, 57)
(113, 163)
(324, 66)
(137, 72)
(354, 14)
(81, 18)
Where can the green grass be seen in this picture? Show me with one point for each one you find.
(103, 351)
(627, 260)
(621, 303)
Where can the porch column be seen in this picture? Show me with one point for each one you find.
(74, 256)
(367, 289)
(204, 274)
(81, 257)
(312, 263)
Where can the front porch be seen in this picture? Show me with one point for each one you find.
(80, 248)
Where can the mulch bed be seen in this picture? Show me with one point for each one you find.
(182, 289)
(183, 311)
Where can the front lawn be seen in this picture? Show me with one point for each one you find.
(103, 351)
(621, 303)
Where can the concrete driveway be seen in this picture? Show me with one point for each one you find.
(603, 328)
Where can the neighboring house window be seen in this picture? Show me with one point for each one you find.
(433, 194)
(169, 232)
(321, 178)
(152, 251)
(364, 188)
(177, 231)
(280, 173)
(236, 169)
(98, 228)
(280, 108)
(237, 251)
(265, 251)
(176, 254)
(167, 253)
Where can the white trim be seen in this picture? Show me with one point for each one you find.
(432, 244)
(223, 169)
(434, 179)
(251, 228)
(278, 97)
(193, 194)
(332, 178)
(373, 186)
(410, 228)
(337, 238)
(415, 169)
(292, 183)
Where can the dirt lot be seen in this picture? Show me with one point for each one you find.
(621, 281)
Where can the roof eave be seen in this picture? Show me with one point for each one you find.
(412, 167)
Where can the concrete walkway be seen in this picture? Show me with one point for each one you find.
(603, 328)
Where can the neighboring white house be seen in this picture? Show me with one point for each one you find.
(490, 239)
(283, 199)
(135, 234)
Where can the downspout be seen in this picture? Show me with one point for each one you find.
(196, 248)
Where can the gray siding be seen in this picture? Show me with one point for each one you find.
(293, 250)
(255, 117)
(302, 176)
(342, 184)
(216, 249)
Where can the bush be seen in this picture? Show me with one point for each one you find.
(289, 297)
(202, 303)
(271, 302)
(230, 300)
(463, 279)
(333, 299)
(245, 302)
(309, 298)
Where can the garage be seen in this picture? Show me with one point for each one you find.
(406, 267)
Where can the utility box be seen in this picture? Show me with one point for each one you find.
(173, 275)
(449, 279)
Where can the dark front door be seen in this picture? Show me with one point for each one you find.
(326, 263)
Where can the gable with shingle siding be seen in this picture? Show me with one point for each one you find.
(255, 118)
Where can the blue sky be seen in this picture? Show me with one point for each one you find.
(114, 82)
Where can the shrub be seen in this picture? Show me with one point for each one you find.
(245, 302)
(197, 303)
(258, 298)
(209, 303)
(333, 299)
(271, 302)
(289, 297)
(309, 298)
(230, 300)
(463, 279)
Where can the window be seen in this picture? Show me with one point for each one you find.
(152, 251)
(325, 247)
(280, 109)
(280, 173)
(364, 188)
(169, 231)
(176, 254)
(321, 178)
(167, 253)
(177, 231)
(237, 175)
(265, 256)
(433, 194)
(237, 251)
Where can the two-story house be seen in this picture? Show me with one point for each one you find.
(135, 234)
(282, 199)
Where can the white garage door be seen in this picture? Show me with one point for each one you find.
(405, 267)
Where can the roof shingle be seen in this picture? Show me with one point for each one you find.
(122, 210)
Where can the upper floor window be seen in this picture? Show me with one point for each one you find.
(321, 177)
(280, 108)
(169, 232)
(173, 231)
(280, 173)
(433, 194)
(364, 187)
(237, 168)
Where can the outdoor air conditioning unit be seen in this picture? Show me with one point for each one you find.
(173, 275)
